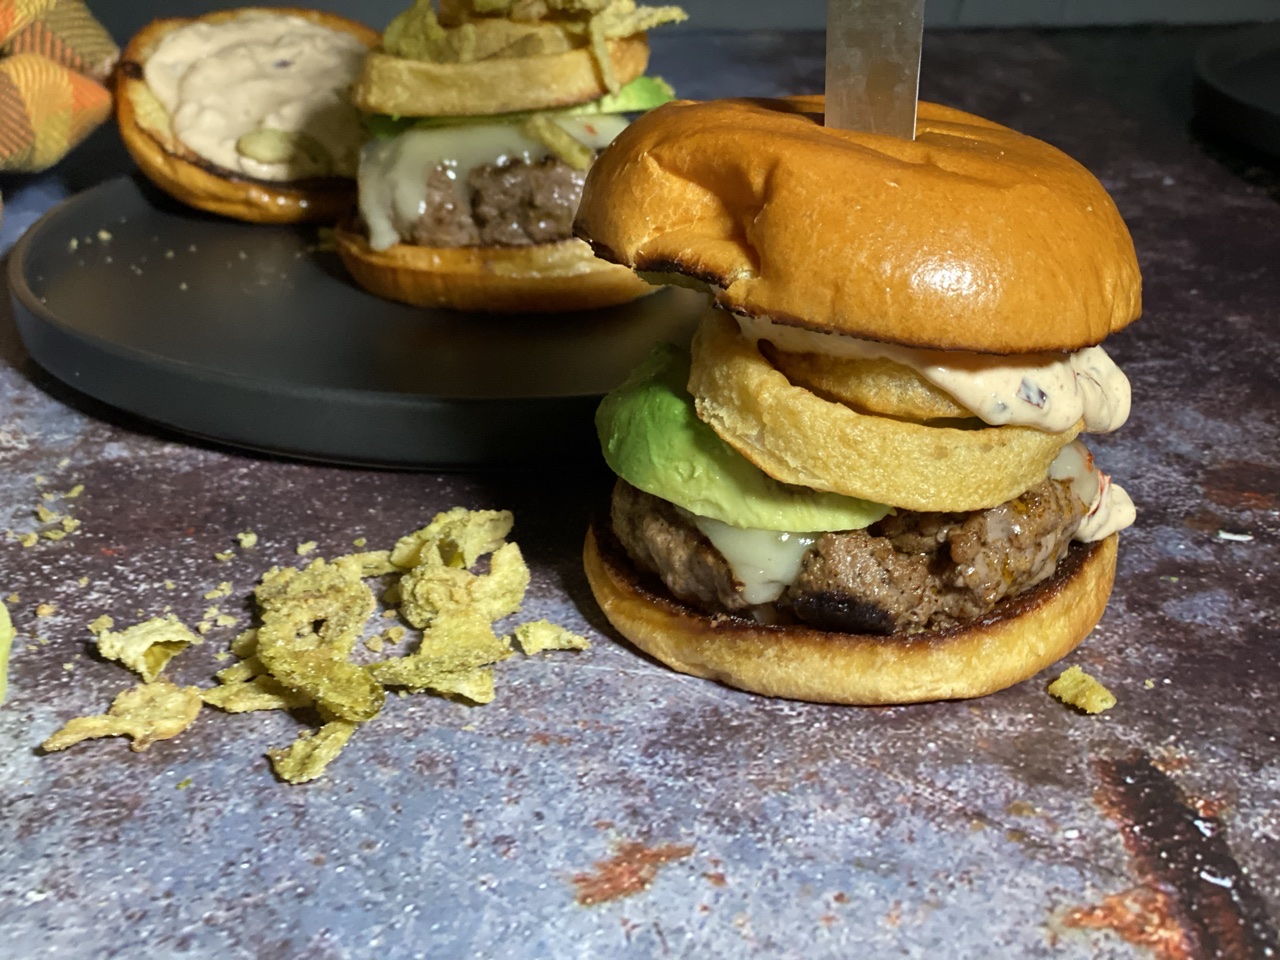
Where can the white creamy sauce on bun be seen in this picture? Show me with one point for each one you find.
(262, 71)
(1050, 392)
(394, 170)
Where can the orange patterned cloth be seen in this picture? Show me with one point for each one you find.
(54, 57)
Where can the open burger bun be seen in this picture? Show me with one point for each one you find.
(540, 278)
(163, 159)
(970, 237)
(1023, 636)
(419, 88)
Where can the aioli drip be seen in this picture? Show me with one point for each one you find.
(1050, 391)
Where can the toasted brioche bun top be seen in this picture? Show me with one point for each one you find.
(421, 88)
(971, 237)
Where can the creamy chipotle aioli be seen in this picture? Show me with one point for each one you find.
(261, 71)
(1049, 391)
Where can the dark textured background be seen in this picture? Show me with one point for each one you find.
(988, 828)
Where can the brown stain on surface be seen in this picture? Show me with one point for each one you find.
(1243, 485)
(1194, 901)
(629, 871)
(1143, 916)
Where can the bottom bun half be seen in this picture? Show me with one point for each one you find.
(542, 278)
(1020, 638)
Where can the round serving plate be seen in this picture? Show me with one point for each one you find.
(1237, 91)
(254, 336)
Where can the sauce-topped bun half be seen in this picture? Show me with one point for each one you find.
(971, 237)
(223, 127)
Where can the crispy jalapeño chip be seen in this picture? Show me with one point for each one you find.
(148, 712)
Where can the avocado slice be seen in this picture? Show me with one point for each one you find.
(652, 438)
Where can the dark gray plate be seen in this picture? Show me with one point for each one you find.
(1237, 88)
(250, 335)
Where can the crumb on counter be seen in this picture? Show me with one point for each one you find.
(1078, 689)
(7, 634)
(303, 549)
(45, 609)
(101, 625)
(248, 539)
(540, 635)
(224, 555)
(1235, 537)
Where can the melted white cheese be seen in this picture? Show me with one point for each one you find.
(764, 562)
(261, 70)
(1048, 391)
(394, 171)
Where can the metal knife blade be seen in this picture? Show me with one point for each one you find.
(873, 65)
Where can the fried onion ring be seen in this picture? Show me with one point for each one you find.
(868, 385)
(797, 437)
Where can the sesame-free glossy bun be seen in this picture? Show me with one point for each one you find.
(179, 172)
(421, 88)
(1017, 640)
(538, 278)
(970, 237)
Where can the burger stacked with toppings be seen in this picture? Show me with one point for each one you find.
(246, 112)
(864, 483)
(486, 115)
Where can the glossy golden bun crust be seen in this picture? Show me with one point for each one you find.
(1021, 638)
(541, 278)
(971, 237)
(177, 171)
(418, 88)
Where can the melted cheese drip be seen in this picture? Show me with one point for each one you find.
(394, 171)
(1048, 391)
(260, 70)
(764, 562)
(1110, 508)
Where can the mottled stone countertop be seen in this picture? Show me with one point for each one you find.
(604, 807)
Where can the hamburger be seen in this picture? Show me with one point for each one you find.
(863, 482)
(246, 112)
(485, 116)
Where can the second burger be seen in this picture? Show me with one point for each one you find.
(485, 118)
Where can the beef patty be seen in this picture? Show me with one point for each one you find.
(507, 204)
(908, 573)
